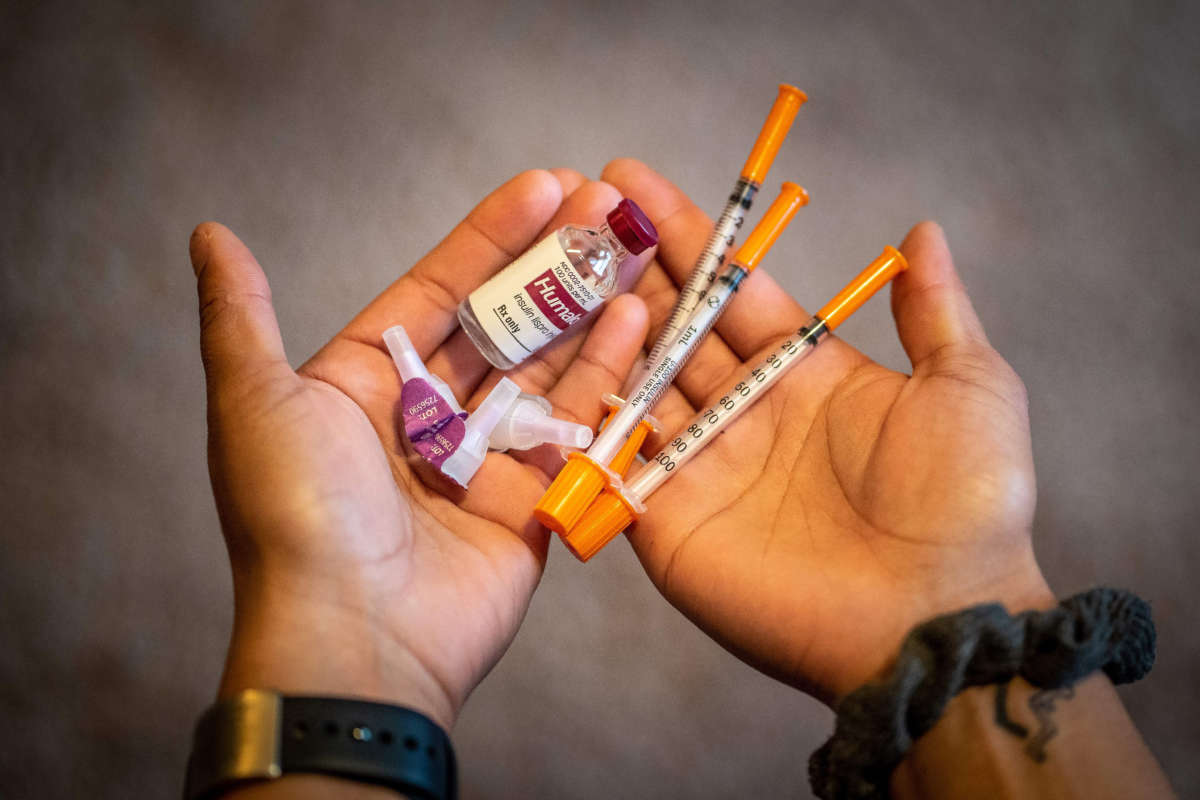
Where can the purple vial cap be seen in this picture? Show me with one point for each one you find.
(632, 226)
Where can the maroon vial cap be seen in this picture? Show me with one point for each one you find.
(632, 226)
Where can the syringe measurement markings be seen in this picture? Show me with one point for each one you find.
(753, 173)
(724, 233)
(625, 501)
(725, 410)
(586, 473)
(657, 381)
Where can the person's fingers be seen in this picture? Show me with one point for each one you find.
(760, 312)
(425, 299)
(929, 301)
(569, 179)
(460, 364)
(239, 335)
(600, 366)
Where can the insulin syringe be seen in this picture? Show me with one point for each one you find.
(754, 172)
(585, 474)
(621, 503)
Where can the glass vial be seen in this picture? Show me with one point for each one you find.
(552, 286)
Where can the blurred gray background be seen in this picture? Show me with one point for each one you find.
(1057, 143)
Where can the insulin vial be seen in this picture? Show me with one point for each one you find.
(552, 286)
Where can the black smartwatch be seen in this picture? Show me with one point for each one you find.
(260, 735)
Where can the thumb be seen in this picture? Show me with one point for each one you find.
(933, 313)
(938, 325)
(239, 335)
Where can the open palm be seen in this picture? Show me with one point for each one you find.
(408, 593)
(853, 501)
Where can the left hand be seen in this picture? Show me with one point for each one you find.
(853, 502)
(351, 577)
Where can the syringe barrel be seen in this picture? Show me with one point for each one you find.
(651, 388)
(732, 403)
(754, 172)
(724, 233)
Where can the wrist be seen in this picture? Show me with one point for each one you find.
(1101, 630)
(1022, 587)
(305, 645)
(318, 746)
(1076, 742)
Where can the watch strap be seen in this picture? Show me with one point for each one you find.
(261, 735)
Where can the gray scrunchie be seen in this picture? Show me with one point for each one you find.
(1104, 628)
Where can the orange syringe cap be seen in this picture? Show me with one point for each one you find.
(569, 494)
(608, 515)
(581, 479)
(773, 132)
(859, 290)
(792, 198)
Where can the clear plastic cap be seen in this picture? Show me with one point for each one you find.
(528, 424)
(410, 366)
(408, 362)
(464, 462)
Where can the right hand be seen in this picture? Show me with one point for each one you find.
(351, 576)
(853, 502)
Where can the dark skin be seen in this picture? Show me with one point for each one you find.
(336, 544)
(850, 492)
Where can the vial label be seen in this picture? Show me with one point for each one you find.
(431, 425)
(532, 300)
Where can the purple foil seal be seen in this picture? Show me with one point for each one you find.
(432, 426)
(440, 444)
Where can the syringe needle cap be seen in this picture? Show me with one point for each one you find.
(792, 198)
(858, 291)
(607, 516)
(581, 479)
(773, 132)
(570, 493)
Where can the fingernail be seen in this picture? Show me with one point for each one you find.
(937, 227)
(198, 247)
